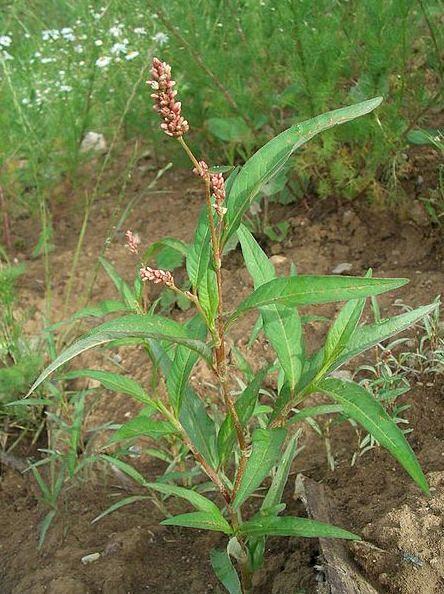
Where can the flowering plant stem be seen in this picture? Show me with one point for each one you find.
(221, 366)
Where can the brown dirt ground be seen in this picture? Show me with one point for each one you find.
(374, 497)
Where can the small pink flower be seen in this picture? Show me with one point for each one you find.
(132, 241)
(157, 276)
(203, 169)
(218, 190)
(164, 100)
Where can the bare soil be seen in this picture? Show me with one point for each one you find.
(403, 550)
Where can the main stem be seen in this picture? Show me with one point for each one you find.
(221, 367)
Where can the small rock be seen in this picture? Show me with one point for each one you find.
(278, 260)
(90, 558)
(93, 141)
(342, 267)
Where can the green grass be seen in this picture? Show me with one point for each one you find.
(244, 69)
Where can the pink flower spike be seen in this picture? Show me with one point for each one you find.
(132, 241)
(203, 169)
(157, 276)
(218, 190)
(164, 100)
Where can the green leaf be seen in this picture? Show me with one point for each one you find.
(342, 328)
(133, 325)
(114, 382)
(198, 257)
(199, 426)
(313, 411)
(44, 525)
(372, 334)
(224, 570)
(266, 447)
(282, 325)
(183, 363)
(245, 405)
(208, 296)
(119, 504)
(198, 501)
(312, 290)
(124, 289)
(272, 157)
(229, 129)
(368, 412)
(143, 426)
(274, 493)
(168, 252)
(291, 526)
(126, 468)
(423, 136)
(201, 520)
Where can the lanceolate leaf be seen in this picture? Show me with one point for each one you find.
(274, 494)
(133, 325)
(367, 336)
(224, 570)
(311, 290)
(183, 363)
(124, 289)
(199, 426)
(368, 412)
(114, 382)
(197, 500)
(266, 447)
(202, 520)
(169, 252)
(143, 426)
(291, 526)
(272, 157)
(281, 324)
(119, 504)
(198, 257)
(245, 405)
(342, 328)
(208, 295)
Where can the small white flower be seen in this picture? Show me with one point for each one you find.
(131, 55)
(78, 49)
(103, 61)
(119, 48)
(140, 31)
(82, 63)
(26, 101)
(116, 30)
(160, 38)
(47, 60)
(98, 42)
(5, 40)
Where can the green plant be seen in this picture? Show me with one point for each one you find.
(239, 443)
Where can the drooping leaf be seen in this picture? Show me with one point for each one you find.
(224, 570)
(291, 526)
(312, 290)
(245, 405)
(119, 504)
(368, 412)
(143, 426)
(281, 324)
(266, 447)
(272, 157)
(124, 289)
(197, 500)
(199, 426)
(133, 325)
(274, 493)
(114, 382)
(202, 520)
(183, 363)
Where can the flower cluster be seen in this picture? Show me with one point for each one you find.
(157, 276)
(217, 186)
(132, 242)
(164, 100)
